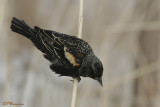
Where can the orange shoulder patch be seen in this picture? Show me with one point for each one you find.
(70, 58)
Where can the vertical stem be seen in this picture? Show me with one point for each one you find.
(158, 97)
(75, 82)
(80, 19)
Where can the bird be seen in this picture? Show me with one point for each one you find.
(69, 56)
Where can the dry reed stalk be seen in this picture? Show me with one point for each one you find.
(142, 71)
(158, 98)
(4, 50)
(75, 82)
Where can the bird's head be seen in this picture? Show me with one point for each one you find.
(92, 67)
(97, 70)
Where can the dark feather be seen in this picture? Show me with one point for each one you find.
(69, 55)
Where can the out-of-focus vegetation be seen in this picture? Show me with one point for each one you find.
(125, 35)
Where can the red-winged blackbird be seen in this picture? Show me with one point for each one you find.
(69, 55)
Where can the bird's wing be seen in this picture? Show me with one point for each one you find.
(53, 44)
(77, 48)
(69, 49)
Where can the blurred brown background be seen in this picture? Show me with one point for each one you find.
(125, 35)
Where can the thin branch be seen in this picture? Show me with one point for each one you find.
(145, 70)
(133, 27)
(75, 82)
(80, 19)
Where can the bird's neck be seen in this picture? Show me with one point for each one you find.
(85, 68)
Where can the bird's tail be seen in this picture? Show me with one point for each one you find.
(22, 28)
(19, 26)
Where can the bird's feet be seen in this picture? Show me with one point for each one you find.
(78, 78)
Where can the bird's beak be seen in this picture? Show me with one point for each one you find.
(99, 80)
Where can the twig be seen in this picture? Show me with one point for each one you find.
(80, 19)
(146, 69)
(75, 82)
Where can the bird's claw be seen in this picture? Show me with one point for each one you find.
(78, 78)
(72, 80)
